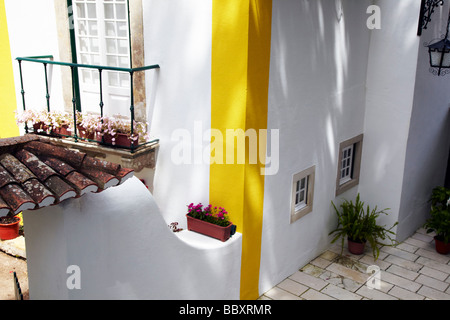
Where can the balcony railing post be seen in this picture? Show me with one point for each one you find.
(101, 93)
(132, 109)
(22, 91)
(74, 105)
(101, 99)
(47, 95)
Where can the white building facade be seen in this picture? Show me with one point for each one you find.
(337, 92)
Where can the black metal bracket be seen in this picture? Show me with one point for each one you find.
(426, 11)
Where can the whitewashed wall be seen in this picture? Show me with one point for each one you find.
(390, 96)
(317, 100)
(429, 136)
(32, 32)
(178, 36)
(124, 250)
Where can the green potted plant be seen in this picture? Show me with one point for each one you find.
(439, 222)
(359, 225)
(210, 221)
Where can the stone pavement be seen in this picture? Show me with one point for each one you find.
(412, 270)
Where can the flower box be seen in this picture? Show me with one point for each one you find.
(209, 229)
(120, 140)
(85, 134)
(40, 126)
(62, 131)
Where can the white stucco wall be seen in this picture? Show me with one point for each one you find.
(317, 100)
(32, 32)
(178, 36)
(390, 94)
(429, 136)
(125, 250)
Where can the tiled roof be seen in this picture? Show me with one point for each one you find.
(35, 174)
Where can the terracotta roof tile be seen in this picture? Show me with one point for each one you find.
(18, 170)
(35, 173)
(103, 179)
(16, 198)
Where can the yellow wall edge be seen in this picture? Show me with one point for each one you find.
(240, 79)
(8, 104)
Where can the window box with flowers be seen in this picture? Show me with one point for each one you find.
(210, 221)
(111, 131)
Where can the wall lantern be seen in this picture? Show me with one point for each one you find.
(440, 54)
(426, 11)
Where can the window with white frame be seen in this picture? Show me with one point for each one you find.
(349, 164)
(302, 193)
(102, 37)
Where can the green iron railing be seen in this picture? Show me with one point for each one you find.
(48, 60)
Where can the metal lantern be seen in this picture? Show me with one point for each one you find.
(440, 55)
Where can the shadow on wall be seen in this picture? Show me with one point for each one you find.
(317, 99)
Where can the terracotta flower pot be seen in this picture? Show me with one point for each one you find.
(441, 246)
(9, 231)
(82, 133)
(62, 131)
(120, 140)
(39, 126)
(209, 229)
(356, 247)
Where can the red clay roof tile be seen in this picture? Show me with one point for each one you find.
(35, 173)
(5, 177)
(18, 170)
(17, 199)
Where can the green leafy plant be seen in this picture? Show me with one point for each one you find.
(439, 222)
(359, 224)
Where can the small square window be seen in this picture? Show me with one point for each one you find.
(350, 152)
(302, 193)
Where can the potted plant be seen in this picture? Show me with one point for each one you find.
(360, 226)
(88, 125)
(38, 120)
(116, 131)
(9, 227)
(439, 222)
(60, 123)
(210, 221)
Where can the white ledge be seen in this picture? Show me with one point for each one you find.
(200, 241)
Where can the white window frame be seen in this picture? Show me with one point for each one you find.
(108, 52)
(349, 164)
(300, 208)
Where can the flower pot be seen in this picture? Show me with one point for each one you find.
(441, 246)
(120, 140)
(356, 247)
(209, 229)
(40, 126)
(9, 231)
(83, 134)
(62, 131)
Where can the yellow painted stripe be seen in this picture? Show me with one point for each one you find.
(240, 77)
(8, 126)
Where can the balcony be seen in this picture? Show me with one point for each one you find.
(137, 154)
